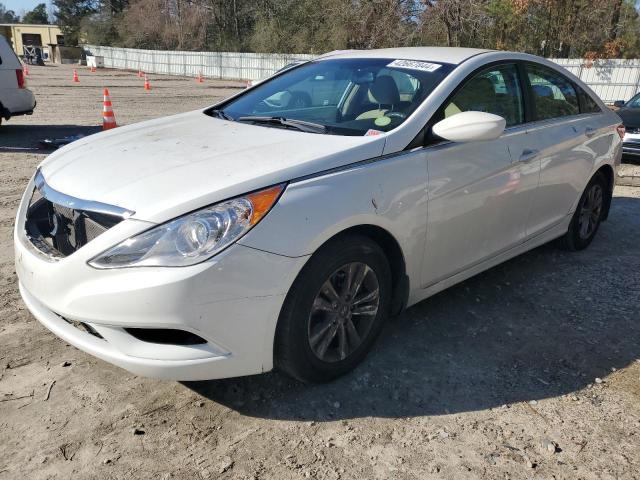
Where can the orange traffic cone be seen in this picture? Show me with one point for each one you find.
(75, 76)
(200, 79)
(140, 74)
(26, 70)
(108, 118)
(93, 69)
(147, 85)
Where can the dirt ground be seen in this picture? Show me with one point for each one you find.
(530, 370)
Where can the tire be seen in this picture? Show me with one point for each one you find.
(591, 209)
(311, 308)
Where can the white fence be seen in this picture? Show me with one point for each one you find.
(610, 79)
(230, 65)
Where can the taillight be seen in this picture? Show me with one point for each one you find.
(621, 130)
(20, 77)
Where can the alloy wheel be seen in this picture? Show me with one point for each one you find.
(343, 312)
(590, 212)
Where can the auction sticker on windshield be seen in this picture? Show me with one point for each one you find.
(415, 65)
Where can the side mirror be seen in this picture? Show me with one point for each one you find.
(470, 127)
(618, 103)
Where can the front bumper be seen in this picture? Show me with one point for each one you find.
(232, 301)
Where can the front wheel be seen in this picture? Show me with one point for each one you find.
(334, 310)
(588, 215)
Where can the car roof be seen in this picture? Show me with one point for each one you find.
(453, 55)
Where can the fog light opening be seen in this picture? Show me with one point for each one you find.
(165, 336)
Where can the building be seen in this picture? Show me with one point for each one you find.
(48, 38)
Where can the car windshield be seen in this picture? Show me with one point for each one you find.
(339, 96)
(634, 102)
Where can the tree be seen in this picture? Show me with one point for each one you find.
(101, 28)
(70, 15)
(37, 16)
(551, 28)
(8, 16)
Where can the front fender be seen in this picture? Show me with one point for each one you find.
(389, 193)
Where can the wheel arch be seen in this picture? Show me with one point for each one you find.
(395, 255)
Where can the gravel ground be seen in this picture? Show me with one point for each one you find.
(529, 370)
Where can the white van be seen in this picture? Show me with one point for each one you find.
(15, 98)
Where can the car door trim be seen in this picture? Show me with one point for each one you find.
(513, 130)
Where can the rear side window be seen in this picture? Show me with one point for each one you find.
(554, 96)
(494, 90)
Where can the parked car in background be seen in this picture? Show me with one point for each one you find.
(629, 112)
(15, 98)
(260, 233)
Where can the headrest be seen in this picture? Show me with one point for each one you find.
(384, 91)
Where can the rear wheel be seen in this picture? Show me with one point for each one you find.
(334, 311)
(588, 215)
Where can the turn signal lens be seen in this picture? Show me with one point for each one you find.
(262, 202)
(621, 130)
(192, 238)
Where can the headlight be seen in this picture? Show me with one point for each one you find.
(192, 238)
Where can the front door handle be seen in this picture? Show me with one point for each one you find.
(590, 131)
(528, 154)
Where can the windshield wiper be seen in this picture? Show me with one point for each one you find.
(221, 114)
(301, 125)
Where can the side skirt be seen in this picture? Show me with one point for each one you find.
(540, 239)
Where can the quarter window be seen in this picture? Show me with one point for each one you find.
(589, 105)
(553, 95)
(495, 90)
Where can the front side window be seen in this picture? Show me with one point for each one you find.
(553, 95)
(345, 96)
(495, 90)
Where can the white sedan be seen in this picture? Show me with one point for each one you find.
(285, 225)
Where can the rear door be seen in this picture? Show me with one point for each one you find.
(568, 133)
(480, 193)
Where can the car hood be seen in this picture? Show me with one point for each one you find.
(163, 168)
(630, 116)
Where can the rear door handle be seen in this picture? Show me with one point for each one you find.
(590, 131)
(528, 154)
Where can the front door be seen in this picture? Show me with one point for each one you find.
(480, 193)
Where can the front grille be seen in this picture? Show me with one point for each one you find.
(58, 231)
